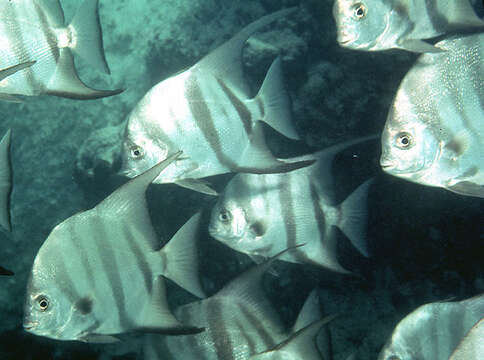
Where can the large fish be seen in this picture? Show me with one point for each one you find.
(239, 322)
(433, 331)
(98, 274)
(374, 25)
(206, 112)
(35, 31)
(472, 346)
(260, 215)
(434, 133)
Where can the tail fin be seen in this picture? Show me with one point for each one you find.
(354, 217)
(5, 181)
(89, 41)
(181, 254)
(276, 105)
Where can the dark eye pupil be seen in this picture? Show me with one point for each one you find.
(359, 11)
(136, 153)
(404, 140)
(43, 304)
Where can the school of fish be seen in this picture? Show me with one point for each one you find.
(101, 273)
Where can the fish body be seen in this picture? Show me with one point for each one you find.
(472, 345)
(207, 113)
(239, 322)
(35, 31)
(98, 273)
(434, 133)
(433, 331)
(374, 25)
(260, 215)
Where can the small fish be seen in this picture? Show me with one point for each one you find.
(433, 331)
(434, 133)
(207, 113)
(34, 32)
(259, 215)
(5, 181)
(472, 346)
(374, 25)
(239, 321)
(98, 274)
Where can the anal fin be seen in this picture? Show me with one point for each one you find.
(66, 82)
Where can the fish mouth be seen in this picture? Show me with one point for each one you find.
(28, 326)
(386, 164)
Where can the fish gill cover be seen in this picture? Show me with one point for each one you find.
(425, 243)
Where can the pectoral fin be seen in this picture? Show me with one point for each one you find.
(468, 188)
(419, 46)
(197, 185)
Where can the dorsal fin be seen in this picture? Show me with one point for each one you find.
(300, 345)
(13, 69)
(225, 62)
(321, 171)
(129, 201)
(5, 181)
(66, 82)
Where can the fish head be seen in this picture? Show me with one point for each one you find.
(410, 148)
(361, 23)
(52, 308)
(233, 224)
(141, 150)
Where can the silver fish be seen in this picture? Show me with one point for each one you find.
(98, 274)
(472, 346)
(434, 132)
(433, 331)
(206, 112)
(374, 25)
(5, 181)
(35, 31)
(239, 322)
(259, 215)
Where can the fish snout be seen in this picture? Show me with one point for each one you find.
(29, 325)
(386, 164)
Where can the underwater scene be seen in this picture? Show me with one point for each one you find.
(242, 180)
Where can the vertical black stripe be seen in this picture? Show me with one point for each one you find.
(203, 118)
(242, 110)
(140, 257)
(223, 344)
(104, 247)
(258, 325)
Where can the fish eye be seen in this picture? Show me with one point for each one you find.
(393, 357)
(136, 152)
(359, 11)
(404, 140)
(225, 216)
(43, 303)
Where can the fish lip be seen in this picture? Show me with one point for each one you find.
(28, 326)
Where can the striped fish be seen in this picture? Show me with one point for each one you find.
(98, 274)
(260, 215)
(472, 346)
(374, 25)
(35, 31)
(239, 322)
(207, 113)
(433, 331)
(434, 133)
